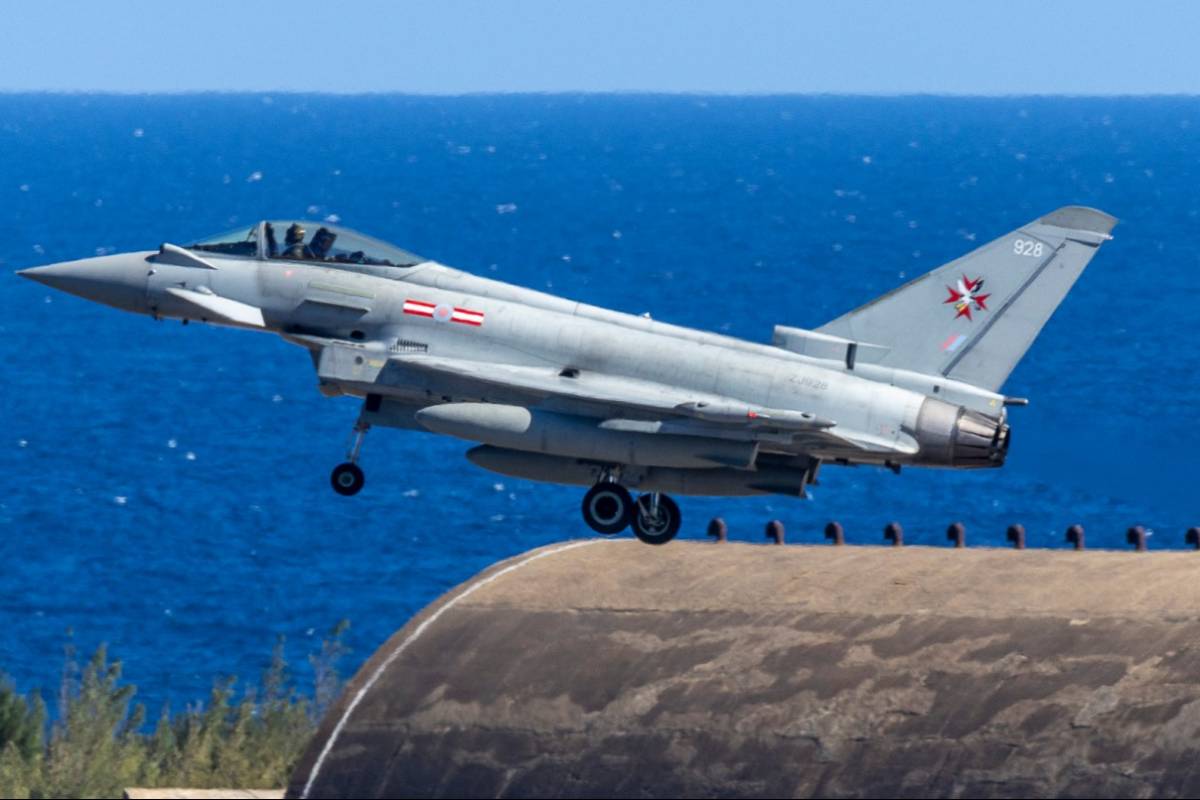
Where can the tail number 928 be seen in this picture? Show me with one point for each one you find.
(1027, 247)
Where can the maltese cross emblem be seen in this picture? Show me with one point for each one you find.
(966, 297)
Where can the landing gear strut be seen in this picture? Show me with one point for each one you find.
(347, 478)
(655, 518)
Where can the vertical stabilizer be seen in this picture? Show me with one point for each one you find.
(973, 319)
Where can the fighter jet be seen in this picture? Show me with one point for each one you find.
(556, 390)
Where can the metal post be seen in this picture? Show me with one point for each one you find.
(1016, 535)
(1136, 536)
(1075, 536)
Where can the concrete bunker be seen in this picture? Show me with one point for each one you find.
(607, 668)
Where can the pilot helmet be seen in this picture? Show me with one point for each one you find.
(295, 234)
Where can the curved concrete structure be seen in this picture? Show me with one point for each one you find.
(608, 668)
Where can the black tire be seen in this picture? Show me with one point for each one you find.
(347, 479)
(658, 530)
(607, 508)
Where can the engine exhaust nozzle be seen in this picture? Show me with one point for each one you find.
(954, 436)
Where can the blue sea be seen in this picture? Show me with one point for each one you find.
(166, 488)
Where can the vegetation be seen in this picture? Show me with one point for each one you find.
(100, 744)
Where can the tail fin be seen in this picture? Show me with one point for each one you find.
(973, 319)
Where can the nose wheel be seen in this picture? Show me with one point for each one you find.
(347, 478)
(655, 518)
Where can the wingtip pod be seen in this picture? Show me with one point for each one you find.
(1081, 218)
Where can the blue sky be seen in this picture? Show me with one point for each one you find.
(451, 47)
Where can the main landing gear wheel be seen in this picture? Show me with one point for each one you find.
(607, 508)
(656, 518)
(347, 479)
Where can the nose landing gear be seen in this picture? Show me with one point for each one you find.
(347, 478)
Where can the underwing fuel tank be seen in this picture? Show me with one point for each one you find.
(953, 436)
(715, 482)
(537, 431)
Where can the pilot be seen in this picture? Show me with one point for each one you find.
(321, 243)
(295, 243)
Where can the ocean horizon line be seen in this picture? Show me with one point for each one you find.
(289, 92)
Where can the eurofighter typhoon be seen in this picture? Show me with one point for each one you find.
(560, 391)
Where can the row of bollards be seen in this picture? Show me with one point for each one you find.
(1136, 536)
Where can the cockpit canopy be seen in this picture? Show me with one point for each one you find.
(307, 241)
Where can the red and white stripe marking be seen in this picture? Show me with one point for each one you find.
(443, 312)
(466, 316)
(421, 309)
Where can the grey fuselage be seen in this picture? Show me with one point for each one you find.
(561, 391)
(353, 320)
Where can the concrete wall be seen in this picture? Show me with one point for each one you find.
(610, 668)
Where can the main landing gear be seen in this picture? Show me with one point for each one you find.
(347, 478)
(608, 509)
(656, 518)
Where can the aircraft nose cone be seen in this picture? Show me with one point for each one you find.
(118, 281)
(56, 276)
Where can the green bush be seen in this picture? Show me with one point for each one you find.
(98, 746)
